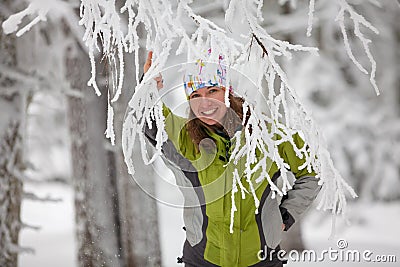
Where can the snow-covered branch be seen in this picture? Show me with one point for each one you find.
(37, 8)
(32, 196)
(107, 33)
(143, 106)
(296, 117)
(358, 21)
(311, 11)
(29, 226)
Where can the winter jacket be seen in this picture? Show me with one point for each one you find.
(205, 180)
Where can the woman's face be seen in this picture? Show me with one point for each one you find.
(208, 104)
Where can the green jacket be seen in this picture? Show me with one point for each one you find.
(205, 179)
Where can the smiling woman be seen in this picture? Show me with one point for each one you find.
(208, 104)
(209, 111)
(207, 176)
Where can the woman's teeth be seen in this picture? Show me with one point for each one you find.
(209, 112)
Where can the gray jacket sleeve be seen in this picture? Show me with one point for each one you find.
(298, 199)
(150, 133)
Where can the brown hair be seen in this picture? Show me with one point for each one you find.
(231, 121)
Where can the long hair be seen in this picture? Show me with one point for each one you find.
(232, 119)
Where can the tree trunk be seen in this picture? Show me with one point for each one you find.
(138, 218)
(95, 192)
(10, 185)
(12, 112)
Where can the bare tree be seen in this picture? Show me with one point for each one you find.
(116, 221)
(95, 212)
(13, 104)
(138, 209)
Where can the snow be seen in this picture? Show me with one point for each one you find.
(38, 8)
(371, 221)
(54, 243)
(172, 235)
(103, 23)
(365, 232)
(310, 17)
(374, 227)
(375, 219)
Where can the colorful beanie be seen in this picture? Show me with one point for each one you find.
(204, 73)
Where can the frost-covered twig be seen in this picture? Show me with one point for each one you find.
(37, 8)
(102, 21)
(296, 118)
(29, 226)
(13, 22)
(32, 196)
(311, 11)
(271, 48)
(358, 20)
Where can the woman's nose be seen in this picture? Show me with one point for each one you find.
(205, 101)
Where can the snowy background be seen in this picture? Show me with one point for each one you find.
(372, 225)
(362, 130)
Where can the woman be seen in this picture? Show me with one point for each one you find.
(198, 151)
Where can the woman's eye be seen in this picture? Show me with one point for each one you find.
(212, 90)
(194, 96)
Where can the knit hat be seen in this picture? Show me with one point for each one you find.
(205, 73)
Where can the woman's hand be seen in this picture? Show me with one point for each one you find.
(147, 66)
(283, 226)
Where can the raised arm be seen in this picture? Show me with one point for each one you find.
(173, 124)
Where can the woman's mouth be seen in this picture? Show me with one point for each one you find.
(209, 112)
